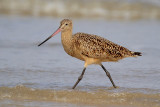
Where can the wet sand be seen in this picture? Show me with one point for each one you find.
(97, 97)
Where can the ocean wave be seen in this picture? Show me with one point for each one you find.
(99, 97)
(107, 9)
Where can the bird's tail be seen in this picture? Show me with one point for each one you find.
(137, 54)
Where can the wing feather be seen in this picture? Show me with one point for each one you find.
(94, 46)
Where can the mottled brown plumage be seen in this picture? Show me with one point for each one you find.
(90, 48)
(94, 46)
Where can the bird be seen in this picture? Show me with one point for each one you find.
(90, 48)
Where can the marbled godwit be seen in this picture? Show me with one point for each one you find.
(90, 48)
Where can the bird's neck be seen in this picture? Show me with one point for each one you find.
(66, 39)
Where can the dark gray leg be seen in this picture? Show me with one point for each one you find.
(109, 76)
(79, 78)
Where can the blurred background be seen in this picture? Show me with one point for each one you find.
(106, 9)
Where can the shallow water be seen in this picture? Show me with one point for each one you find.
(44, 75)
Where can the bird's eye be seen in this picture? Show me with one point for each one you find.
(66, 24)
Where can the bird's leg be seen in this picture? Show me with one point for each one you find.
(79, 78)
(108, 74)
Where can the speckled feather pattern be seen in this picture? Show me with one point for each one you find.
(94, 46)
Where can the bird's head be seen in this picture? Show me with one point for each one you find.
(65, 25)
